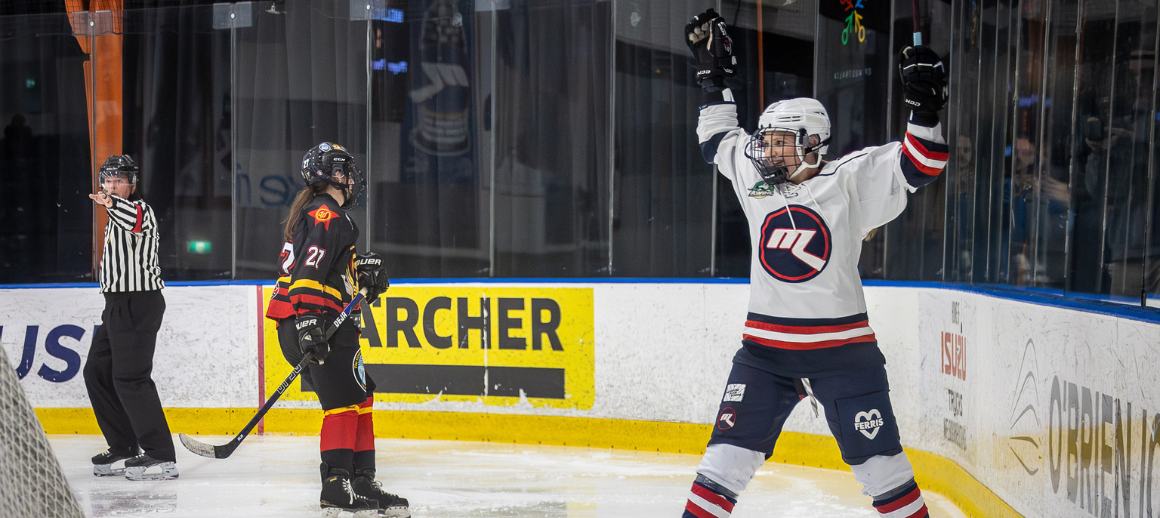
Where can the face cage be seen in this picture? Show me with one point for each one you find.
(348, 170)
(353, 190)
(757, 152)
(129, 176)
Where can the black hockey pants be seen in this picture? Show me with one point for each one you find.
(118, 375)
(339, 382)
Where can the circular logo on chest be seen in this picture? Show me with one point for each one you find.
(795, 250)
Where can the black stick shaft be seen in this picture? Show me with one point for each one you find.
(298, 369)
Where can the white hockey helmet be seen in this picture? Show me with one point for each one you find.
(805, 118)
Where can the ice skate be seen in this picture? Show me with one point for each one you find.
(103, 463)
(338, 496)
(390, 505)
(139, 468)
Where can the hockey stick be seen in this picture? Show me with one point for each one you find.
(225, 450)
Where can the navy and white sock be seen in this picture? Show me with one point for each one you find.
(709, 500)
(904, 502)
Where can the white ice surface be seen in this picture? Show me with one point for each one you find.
(277, 476)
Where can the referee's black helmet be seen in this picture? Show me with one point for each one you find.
(118, 165)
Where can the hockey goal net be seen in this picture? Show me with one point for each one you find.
(31, 482)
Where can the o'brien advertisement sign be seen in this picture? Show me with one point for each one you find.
(498, 345)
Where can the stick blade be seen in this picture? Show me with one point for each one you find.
(203, 449)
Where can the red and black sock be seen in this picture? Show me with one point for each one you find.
(364, 442)
(339, 433)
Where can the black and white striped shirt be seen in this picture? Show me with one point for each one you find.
(129, 262)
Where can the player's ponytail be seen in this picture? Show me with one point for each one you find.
(305, 196)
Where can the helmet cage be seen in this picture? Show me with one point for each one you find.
(762, 155)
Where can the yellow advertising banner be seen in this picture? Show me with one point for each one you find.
(499, 346)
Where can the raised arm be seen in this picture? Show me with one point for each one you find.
(712, 48)
(924, 83)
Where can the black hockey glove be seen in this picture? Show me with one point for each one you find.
(924, 80)
(712, 48)
(372, 275)
(311, 337)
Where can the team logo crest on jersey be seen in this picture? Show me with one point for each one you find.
(797, 250)
(322, 215)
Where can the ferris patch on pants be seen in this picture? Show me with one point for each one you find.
(866, 425)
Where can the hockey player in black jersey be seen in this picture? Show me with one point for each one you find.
(807, 333)
(320, 274)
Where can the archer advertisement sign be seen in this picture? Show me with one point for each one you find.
(497, 345)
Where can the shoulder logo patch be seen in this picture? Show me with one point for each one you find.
(760, 190)
(322, 215)
(797, 250)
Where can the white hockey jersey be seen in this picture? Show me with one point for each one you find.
(807, 313)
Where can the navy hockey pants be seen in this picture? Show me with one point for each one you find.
(857, 407)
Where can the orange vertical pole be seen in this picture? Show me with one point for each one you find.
(99, 35)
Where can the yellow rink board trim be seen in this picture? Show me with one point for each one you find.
(932, 472)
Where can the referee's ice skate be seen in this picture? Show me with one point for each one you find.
(144, 467)
(103, 463)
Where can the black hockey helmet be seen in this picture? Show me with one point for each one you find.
(118, 165)
(331, 163)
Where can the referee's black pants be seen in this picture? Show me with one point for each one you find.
(117, 375)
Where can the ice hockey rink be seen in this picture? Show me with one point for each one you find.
(276, 476)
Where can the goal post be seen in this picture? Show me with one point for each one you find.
(31, 481)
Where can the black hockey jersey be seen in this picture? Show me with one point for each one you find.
(317, 266)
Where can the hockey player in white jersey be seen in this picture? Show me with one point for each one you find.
(807, 332)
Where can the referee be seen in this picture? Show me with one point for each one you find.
(117, 372)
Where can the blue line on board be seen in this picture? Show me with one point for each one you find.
(1051, 298)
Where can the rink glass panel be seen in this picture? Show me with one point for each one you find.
(176, 90)
(300, 78)
(912, 244)
(662, 190)
(46, 219)
(513, 139)
(550, 126)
